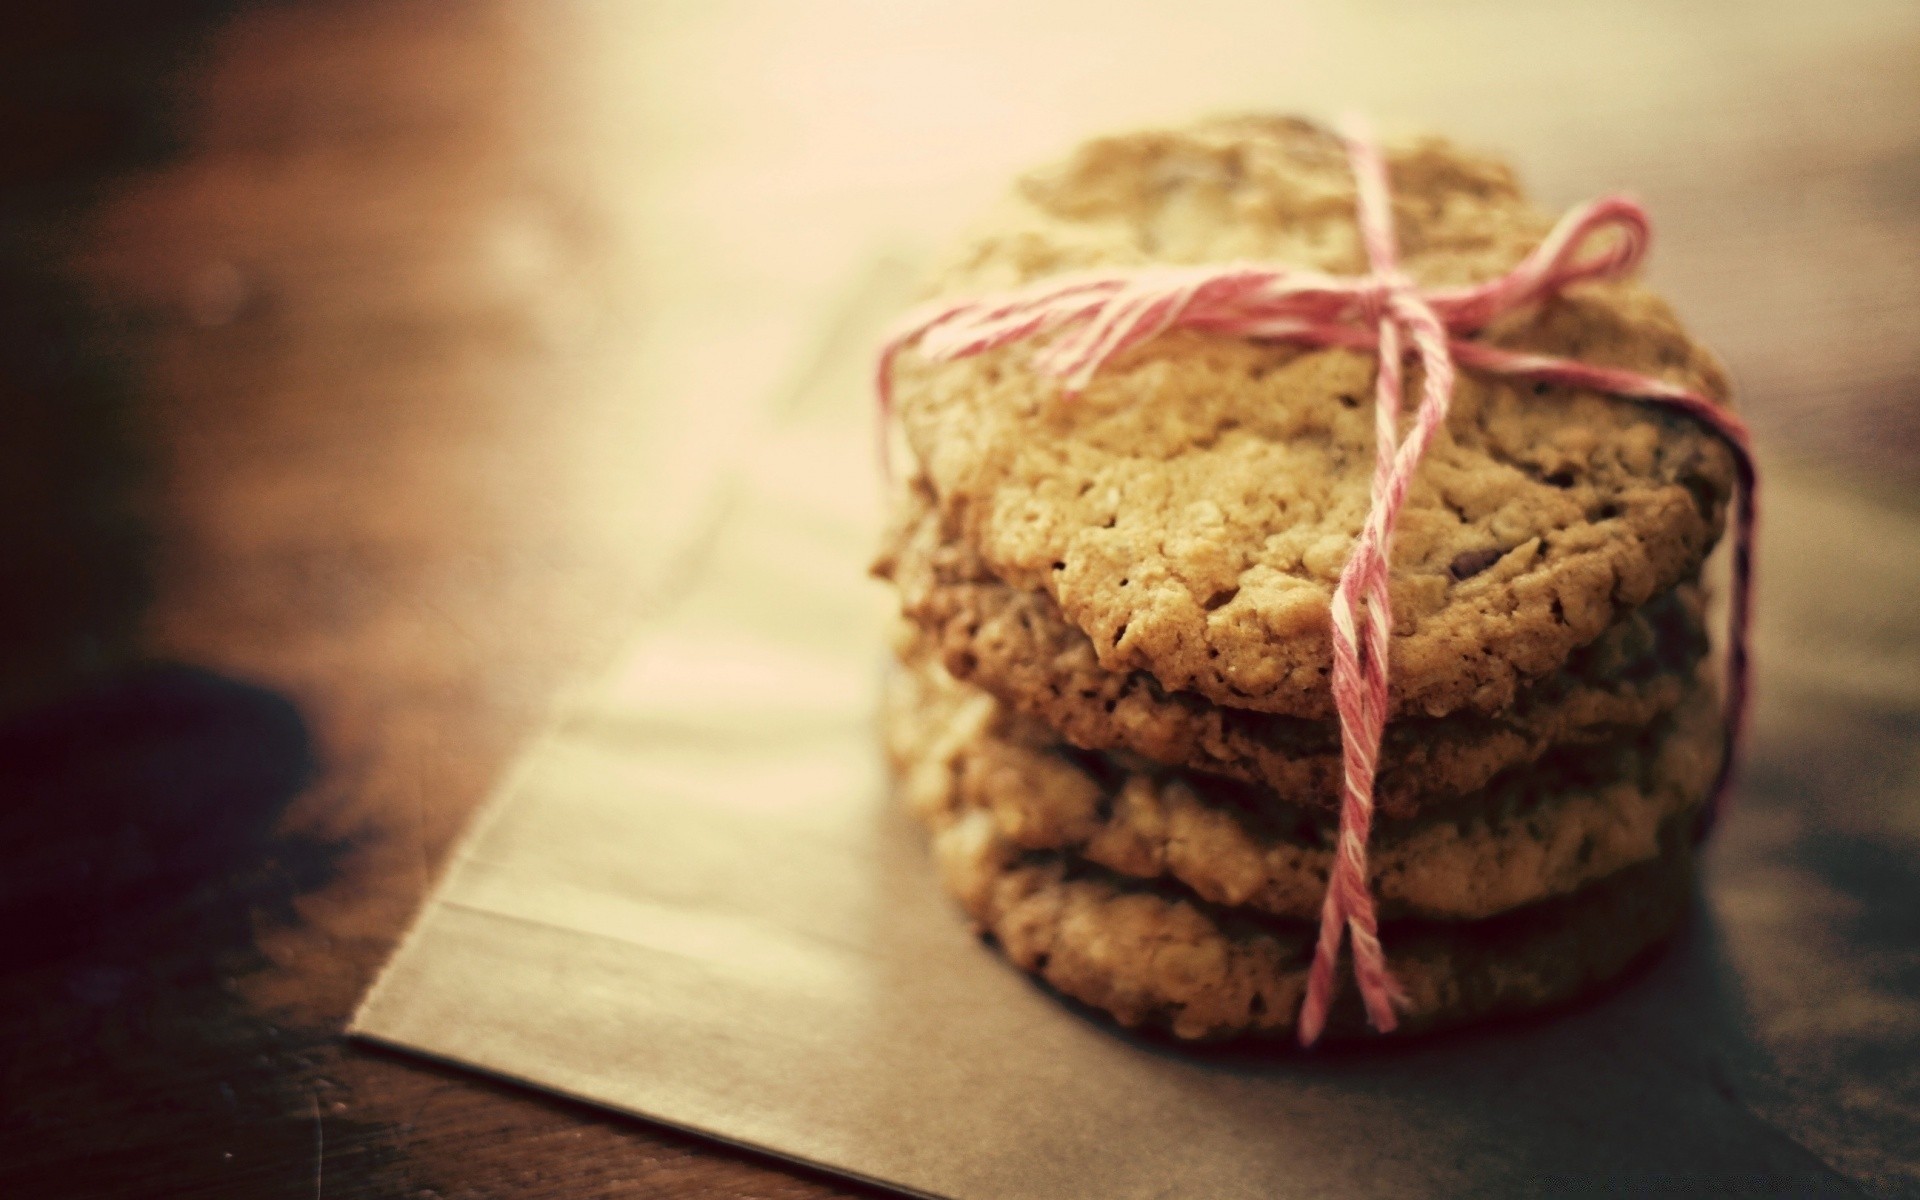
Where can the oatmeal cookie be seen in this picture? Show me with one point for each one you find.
(1154, 958)
(1543, 830)
(1016, 645)
(1190, 511)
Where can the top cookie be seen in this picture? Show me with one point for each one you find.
(1191, 510)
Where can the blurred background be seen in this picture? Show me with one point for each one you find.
(368, 367)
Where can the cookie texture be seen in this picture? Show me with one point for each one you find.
(1153, 958)
(1189, 512)
(1544, 830)
(1017, 645)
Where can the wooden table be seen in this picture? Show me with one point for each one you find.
(369, 365)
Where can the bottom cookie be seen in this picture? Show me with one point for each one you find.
(1155, 958)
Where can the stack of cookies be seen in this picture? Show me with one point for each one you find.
(1112, 704)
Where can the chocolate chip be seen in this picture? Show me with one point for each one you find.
(1471, 563)
(1221, 599)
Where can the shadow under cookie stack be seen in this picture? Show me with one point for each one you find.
(1112, 702)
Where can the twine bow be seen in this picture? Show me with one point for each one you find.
(1098, 314)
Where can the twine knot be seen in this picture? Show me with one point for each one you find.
(1389, 295)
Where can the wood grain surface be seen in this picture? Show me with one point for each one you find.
(368, 366)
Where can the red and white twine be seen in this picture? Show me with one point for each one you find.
(1099, 314)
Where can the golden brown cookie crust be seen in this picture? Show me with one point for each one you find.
(1016, 645)
(1543, 830)
(1190, 511)
(1154, 959)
